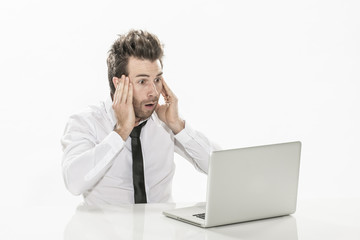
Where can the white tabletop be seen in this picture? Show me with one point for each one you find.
(315, 219)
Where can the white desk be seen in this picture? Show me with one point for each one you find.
(320, 219)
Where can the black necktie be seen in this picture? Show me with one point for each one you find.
(138, 168)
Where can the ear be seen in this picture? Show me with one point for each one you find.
(115, 81)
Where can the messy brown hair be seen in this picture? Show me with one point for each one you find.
(136, 43)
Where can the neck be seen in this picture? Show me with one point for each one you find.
(137, 121)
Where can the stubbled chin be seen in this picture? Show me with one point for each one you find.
(145, 112)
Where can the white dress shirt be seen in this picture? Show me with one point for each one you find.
(97, 162)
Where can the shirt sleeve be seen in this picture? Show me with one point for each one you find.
(195, 147)
(85, 160)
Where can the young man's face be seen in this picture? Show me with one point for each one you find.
(146, 77)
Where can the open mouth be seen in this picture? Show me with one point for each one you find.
(150, 105)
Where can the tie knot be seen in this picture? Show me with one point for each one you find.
(135, 133)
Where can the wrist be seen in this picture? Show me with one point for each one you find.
(178, 127)
(124, 133)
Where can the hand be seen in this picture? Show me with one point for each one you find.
(123, 106)
(168, 112)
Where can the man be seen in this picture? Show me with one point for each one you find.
(123, 150)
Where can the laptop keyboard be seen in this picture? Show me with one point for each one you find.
(200, 215)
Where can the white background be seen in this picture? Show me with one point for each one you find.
(246, 73)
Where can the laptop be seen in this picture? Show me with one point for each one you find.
(247, 184)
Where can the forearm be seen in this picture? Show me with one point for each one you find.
(195, 147)
(85, 163)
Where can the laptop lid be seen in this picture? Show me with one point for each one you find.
(252, 183)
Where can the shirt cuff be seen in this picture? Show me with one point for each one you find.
(185, 135)
(115, 140)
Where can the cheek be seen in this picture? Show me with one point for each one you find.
(135, 97)
(139, 96)
(137, 91)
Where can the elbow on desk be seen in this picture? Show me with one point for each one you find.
(74, 190)
(73, 186)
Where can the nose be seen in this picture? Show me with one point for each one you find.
(152, 90)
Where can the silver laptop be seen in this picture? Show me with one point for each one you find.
(247, 184)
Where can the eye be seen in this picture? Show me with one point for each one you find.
(156, 80)
(141, 81)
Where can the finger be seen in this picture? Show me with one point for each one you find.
(164, 92)
(119, 90)
(115, 82)
(115, 97)
(125, 91)
(130, 94)
(167, 89)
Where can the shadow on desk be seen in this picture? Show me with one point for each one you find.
(146, 221)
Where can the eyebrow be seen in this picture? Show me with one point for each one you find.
(145, 75)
